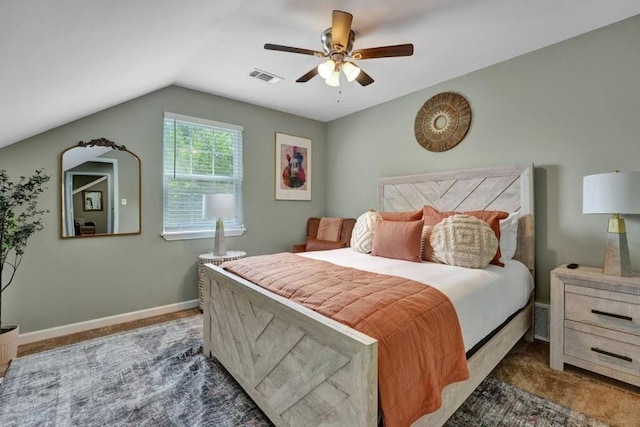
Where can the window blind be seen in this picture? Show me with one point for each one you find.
(200, 157)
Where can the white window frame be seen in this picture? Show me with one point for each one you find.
(235, 229)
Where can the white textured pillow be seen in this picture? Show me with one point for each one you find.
(362, 234)
(509, 235)
(464, 241)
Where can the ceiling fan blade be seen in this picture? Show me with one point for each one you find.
(363, 78)
(383, 51)
(311, 74)
(290, 49)
(340, 29)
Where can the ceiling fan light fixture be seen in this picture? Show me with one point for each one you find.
(337, 44)
(326, 69)
(350, 70)
(334, 79)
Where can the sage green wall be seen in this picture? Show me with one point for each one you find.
(63, 281)
(571, 109)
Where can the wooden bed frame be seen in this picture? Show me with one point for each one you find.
(303, 369)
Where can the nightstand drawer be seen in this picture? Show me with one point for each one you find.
(602, 351)
(602, 308)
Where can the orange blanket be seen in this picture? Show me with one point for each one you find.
(420, 348)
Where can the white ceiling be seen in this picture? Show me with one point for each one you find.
(61, 60)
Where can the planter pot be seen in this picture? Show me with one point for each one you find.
(9, 345)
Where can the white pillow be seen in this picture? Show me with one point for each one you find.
(362, 234)
(464, 241)
(509, 236)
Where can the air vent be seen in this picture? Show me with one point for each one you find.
(264, 76)
(541, 322)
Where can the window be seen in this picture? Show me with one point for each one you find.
(200, 157)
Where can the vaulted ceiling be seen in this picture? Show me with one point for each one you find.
(61, 60)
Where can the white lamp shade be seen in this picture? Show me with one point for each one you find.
(334, 80)
(218, 205)
(350, 70)
(326, 69)
(611, 193)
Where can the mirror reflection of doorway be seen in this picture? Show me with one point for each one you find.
(120, 201)
(91, 179)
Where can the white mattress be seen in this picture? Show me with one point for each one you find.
(483, 298)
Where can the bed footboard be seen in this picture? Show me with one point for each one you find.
(300, 367)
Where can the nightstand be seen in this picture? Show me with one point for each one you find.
(595, 322)
(210, 258)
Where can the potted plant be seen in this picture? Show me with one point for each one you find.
(19, 219)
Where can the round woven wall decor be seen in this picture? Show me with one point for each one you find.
(443, 121)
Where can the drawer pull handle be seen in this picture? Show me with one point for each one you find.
(608, 353)
(617, 316)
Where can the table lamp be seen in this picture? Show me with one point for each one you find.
(219, 206)
(613, 193)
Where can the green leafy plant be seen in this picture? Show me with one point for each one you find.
(20, 218)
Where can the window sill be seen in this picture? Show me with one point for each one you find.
(210, 234)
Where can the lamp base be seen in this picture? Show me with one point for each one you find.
(616, 255)
(219, 247)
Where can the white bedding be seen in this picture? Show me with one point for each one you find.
(483, 298)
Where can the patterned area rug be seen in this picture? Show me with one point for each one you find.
(157, 376)
(495, 403)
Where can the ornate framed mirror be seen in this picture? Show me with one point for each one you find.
(100, 190)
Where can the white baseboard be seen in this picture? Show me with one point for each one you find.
(73, 328)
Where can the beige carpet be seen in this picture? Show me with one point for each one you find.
(526, 367)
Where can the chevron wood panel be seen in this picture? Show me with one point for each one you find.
(297, 373)
(510, 199)
(494, 193)
(491, 191)
(505, 188)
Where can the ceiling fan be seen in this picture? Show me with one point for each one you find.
(337, 43)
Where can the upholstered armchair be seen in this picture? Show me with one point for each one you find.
(83, 227)
(313, 243)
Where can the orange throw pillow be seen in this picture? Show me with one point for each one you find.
(432, 216)
(402, 216)
(398, 240)
(329, 229)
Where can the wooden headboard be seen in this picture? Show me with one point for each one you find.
(507, 189)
